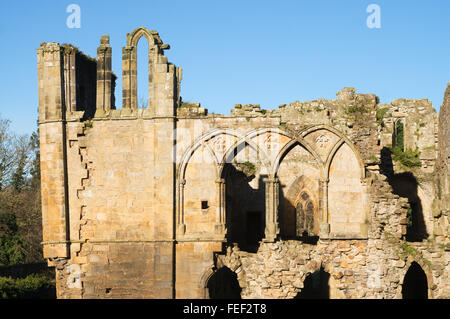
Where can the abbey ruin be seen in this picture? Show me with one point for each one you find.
(341, 198)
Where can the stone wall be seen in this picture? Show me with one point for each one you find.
(442, 213)
(152, 203)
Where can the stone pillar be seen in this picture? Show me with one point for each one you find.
(163, 95)
(50, 82)
(181, 226)
(70, 84)
(324, 228)
(52, 132)
(129, 84)
(220, 227)
(104, 77)
(272, 199)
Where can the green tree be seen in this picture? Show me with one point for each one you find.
(20, 209)
(35, 170)
(18, 178)
(12, 245)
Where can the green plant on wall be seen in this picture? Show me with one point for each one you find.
(399, 142)
(380, 115)
(407, 158)
(88, 124)
(247, 167)
(404, 249)
(355, 109)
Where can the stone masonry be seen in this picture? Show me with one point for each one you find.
(343, 198)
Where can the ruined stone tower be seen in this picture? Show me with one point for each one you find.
(344, 198)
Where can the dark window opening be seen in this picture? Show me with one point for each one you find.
(315, 286)
(205, 204)
(245, 208)
(415, 284)
(224, 284)
(82, 105)
(254, 230)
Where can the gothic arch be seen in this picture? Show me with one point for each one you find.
(333, 152)
(429, 278)
(181, 178)
(223, 283)
(342, 139)
(129, 65)
(219, 164)
(288, 147)
(198, 142)
(229, 154)
(151, 36)
(302, 142)
(203, 281)
(315, 285)
(345, 178)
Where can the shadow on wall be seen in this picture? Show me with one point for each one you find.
(315, 286)
(406, 185)
(224, 284)
(245, 209)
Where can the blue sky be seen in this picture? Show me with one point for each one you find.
(260, 52)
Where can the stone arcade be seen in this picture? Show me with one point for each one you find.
(307, 200)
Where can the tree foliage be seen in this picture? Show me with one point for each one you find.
(20, 211)
(30, 287)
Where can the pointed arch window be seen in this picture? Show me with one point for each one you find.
(142, 73)
(305, 216)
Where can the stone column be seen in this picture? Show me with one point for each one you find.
(70, 84)
(181, 227)
(220, 227)
(324, 228)
(129, 85)
(52, 132)
(272, 200)
(104, 75)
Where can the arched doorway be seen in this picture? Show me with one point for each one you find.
(223, 284)
(415, 284)
(316, 286)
